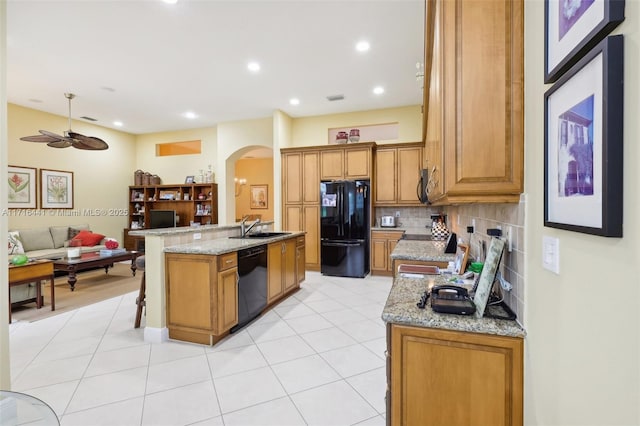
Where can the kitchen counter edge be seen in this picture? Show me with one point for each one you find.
(227, 245)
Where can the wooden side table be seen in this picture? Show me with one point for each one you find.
(36, 270)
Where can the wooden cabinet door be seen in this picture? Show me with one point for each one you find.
(300, 261)
(274, 268)
(331, 164)
(474, 99)
(293, 217)
(312, 228)
(357, 163)
(311, 177)
(227, 300)
(189, 294)
(472, 379)
(379, 254)
(289, 280)
(385, 176)
(408, 174)
(292, 166)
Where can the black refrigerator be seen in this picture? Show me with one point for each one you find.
(344, 228)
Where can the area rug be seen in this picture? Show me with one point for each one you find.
(91, 287)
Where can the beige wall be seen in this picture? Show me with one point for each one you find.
(100, 177)
(173, 169)
(583, 325)
(257, 171)
(307, 131)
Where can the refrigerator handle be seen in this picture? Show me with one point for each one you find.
(340, 192)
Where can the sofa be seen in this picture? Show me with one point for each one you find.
(49, 242)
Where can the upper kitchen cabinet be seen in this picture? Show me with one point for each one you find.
(346, 162)
(303, 180)
(397, 172)
(473, 100)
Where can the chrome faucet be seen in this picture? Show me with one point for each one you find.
(243, 229)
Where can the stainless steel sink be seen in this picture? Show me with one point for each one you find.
(263, 235)
(266, 234)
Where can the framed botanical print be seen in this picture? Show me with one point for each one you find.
(56, 189)
(22, 187)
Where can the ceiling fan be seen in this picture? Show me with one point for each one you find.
(70, 138)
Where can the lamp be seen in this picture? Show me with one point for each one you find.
(239, 184)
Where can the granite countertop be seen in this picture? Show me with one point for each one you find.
(186, 229)
(226, 245)
(427, 251)
(406, 293)
(405, 229)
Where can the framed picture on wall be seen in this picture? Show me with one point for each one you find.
(22, 187)
(56, 189)
(572, 28)
(583, 144)
(259, 197)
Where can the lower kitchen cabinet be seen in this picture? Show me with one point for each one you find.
(445, 377)
(201, 295)
(281, 266)
(382, 244)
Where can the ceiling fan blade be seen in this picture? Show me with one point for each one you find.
(39, 138)
(51, 134)
(61, 143)
(87, 142)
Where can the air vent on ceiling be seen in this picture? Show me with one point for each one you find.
(335, 98)
(89, 118)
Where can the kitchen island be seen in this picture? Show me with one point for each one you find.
(215, 287)
(449, 369)
(157, 240)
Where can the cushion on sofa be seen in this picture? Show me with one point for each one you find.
(60, 234)
(75, 230)
(36, 239)
(15, 243)
(88, 238)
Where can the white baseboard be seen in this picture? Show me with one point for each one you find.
(156, 335)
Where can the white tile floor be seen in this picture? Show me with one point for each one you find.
(317, 358)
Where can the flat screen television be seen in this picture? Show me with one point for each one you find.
(162, 218)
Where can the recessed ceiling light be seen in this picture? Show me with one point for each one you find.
(36, 101)
(170, 1)
(108, 89)
(253, 66)
(362, 46)
(294, 101)
(190, 115)
(117, 123)
(379, 90)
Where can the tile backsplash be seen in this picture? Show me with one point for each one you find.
(486, 216)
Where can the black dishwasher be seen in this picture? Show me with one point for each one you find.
(252, 284)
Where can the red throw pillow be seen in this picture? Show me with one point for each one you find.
(88, 238)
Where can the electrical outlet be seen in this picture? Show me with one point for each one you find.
(509, 237)
(473, 223)
(397, 213)
(197, 235)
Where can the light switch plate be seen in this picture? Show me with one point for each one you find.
(551, 254)
(197, 235)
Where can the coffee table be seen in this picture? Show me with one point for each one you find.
(93, 260)
(32, 271)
